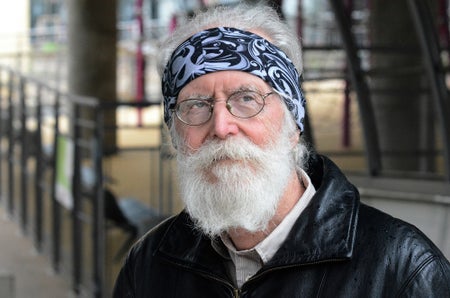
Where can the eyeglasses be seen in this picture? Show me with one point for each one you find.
(241, 104)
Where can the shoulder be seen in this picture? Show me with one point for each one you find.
(393, 233)
(139, 260)
(405, 253)
(389, 230)
(149, 242)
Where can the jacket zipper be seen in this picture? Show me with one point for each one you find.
(257, 276)
(236, 291)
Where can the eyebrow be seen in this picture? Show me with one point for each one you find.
(196, 96)
(227, 91)
(244, 88)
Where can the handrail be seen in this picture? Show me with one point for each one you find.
(24, 98)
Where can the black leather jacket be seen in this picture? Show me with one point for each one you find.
(337, 248)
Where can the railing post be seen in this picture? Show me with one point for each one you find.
(2, 133)
(23, 157)
(56, 211)
(98, 232)
(77, 231)
(11, 144)
(39, 170)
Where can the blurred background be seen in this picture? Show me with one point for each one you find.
(86, 166)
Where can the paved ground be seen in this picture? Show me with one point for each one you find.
(22, 270)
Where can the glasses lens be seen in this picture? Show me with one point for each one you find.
(193, 111)
(245, 104)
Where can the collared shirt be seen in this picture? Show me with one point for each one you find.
(243, 264)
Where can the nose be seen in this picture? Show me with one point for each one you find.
(223, 123)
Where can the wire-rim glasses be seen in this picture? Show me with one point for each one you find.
(241, 104)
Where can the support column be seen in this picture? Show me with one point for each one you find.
(92, 55)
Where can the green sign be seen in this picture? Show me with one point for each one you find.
(64, 171)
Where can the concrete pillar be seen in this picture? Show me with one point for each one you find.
(92, 38)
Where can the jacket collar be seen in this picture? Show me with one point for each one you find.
(325, 231)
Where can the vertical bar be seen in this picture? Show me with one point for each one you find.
(2, 131)
(98, 231)
(154, 8)
(361, 88)
(443, 26)
(56, 211)
(76, 211)
(346, 135)
(140, 59)
(39, 171)
(427, 137)
(23, 157)
(307, 136)
(11, 143)
(299, 23)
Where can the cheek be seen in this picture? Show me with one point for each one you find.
(193, 140)
(262, 133)
(266, 129)
(189, 138)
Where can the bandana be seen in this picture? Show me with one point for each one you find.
(222, 48)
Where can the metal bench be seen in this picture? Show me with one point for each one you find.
(130, 215)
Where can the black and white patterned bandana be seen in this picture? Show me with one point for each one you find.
(223, 48)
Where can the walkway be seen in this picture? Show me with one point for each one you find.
(29, 273)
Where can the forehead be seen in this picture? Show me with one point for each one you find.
(223, 82)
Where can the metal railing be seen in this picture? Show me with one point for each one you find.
(48, 140)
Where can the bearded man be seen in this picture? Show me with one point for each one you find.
(264, 217)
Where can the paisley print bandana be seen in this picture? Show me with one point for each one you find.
(223, 48)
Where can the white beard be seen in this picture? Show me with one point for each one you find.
(233, 183)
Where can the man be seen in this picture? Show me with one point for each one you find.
(263, 217)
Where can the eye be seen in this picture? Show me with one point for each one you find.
(248, 97)
(244, 97)
(193, 105)
(197, 104)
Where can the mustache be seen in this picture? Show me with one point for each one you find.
(235, 148)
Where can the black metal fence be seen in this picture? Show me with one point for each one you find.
(54, 180)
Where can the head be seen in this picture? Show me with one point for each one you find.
(234, 158)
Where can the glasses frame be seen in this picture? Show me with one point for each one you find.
(210, 102)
